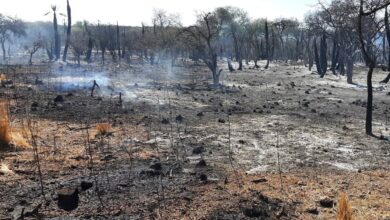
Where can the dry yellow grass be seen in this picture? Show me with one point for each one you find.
(19, 141)
(103, 128)
(7, 134)
(344, 211)
(2, 77)
(5, 130)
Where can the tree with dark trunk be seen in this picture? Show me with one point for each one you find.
(316, 57)
(266, 44)
(118, 40)
(57, 43)
(387, 28)
(335, 52)
(68, 31)
(323, 58)
(88, 56)
(236, 21)
(202, 38)
(369, 58)
(33, 48)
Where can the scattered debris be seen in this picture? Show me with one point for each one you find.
(68, 199)
(326, 202)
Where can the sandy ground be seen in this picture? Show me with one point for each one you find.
(275, 143)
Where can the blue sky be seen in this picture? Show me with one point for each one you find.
(129, 12)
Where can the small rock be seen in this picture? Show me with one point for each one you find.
(200, 114)
(165, 121)
(312, 210)
(35, 105)
(85, 185)
(201, 163)
(156, 166)
(59, 98)
(149, 173)
(203, 177)
(198, 150)
(255, 212)
(221, 120)
(260, 180)
(179, 118)
(327, 202)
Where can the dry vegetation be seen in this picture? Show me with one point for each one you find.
(344, 211)
(5, 130)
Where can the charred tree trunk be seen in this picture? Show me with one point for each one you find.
(316, 57)
(342, 54)
(49, 51)
(335, 53)
(266, 44)
(215, 70)
(309, 54)
(88, 57)
(152, 58)
(118, 41)
(30, 59)
(387, 27)
(123, 45)
(230, 66)
(323, 58)
(68, 31)
(369, 101)
(103, 55)
(273, 45)
(3, 50)
(237, 51)
(370, 62)
(349, 69)
(57, 44)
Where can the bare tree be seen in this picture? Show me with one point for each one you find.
(79, 44)
(90, 42)
(366, 19)
(10, 26)
(203, 38)
(267, 46)
(33, 47)
(57, 42)
(236, 21)
(68, 30)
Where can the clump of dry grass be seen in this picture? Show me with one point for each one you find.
(5, 130)
(2, 77)
(344, 211)
(103, 129)
(19, 141)
(8, 135)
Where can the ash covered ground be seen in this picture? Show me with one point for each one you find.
(269, 144)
